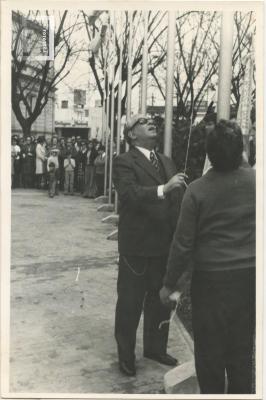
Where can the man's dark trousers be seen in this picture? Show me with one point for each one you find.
(139, 283)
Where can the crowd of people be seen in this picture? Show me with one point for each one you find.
(69, 165)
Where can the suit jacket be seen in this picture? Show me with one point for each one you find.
(146, 223)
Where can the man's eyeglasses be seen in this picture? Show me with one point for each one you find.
(141, 121)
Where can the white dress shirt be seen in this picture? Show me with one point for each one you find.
(147, 153)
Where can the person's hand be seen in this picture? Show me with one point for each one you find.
(165, 296)
(176, 181)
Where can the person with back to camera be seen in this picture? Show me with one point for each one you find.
(216, 231)
(149, 193)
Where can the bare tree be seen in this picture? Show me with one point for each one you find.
(155, 31)
(244, 33)
(197, 55)
(196, 61)
(33, 78)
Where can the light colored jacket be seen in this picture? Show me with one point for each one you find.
(40, 158)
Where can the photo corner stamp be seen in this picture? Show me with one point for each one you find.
(37, 38)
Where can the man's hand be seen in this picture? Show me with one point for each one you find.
(164, 295)
(176, 181)
(168, 297)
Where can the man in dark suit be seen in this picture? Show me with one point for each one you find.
(150, 194)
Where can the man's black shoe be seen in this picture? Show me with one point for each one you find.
(165, 359)
(128, 368)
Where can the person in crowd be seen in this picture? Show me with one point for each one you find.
(73, 141)
(40, 159)
(216, 232)
(17, 179)
(149, 194)
(99, 170)
(21, 142)
(69, 166)
(98, 145)
(61, 158)
(54, 142)
(81, 160)
(54, 179)
(48, 145)
(28, 163)
(89, 178)
(78, 144)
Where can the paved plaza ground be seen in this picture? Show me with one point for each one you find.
(63, 296)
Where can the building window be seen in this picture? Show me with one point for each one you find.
(64, 104)
(86, 113)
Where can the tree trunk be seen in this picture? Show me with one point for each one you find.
(26, 128)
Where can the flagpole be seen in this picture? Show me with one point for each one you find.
(225, 70)
(244, 108)
(225, 65)
(119, 98)
(144, 78)
(104, 103)
(107, 91)
(112, 111)
(106, 135)
(129, 69)
(169, 83)
(105, 120)
(108, 144)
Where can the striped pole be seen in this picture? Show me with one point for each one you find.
(169, 83)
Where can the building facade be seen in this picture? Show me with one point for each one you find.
(74, 116)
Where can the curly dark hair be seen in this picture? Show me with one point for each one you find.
(224, 146)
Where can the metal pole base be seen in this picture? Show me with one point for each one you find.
(106, 207)
(111, 219)
(101, 199)
(113, 235)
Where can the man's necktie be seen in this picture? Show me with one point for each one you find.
(154, 160)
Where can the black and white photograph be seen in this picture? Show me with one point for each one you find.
(131, 199)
